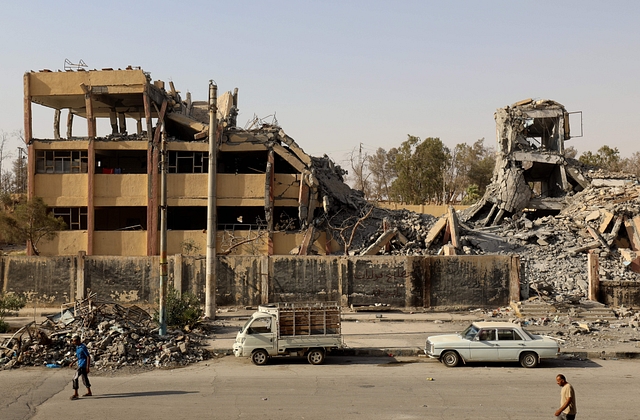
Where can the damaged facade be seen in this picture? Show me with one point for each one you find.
(531, 170)
(107, 188)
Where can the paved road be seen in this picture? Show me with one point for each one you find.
(351, 388)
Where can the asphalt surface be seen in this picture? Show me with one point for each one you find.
(354, 388)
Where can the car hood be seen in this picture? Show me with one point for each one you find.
(446, 338)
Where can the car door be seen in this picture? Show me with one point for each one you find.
(484, 347)
(260, 335)
(510, 344)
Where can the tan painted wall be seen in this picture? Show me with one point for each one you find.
(241, 186)
(126, 244)
(434, 210)
(175, 239)
(186, 186)
(284, 242)
(62, 190)
(68, 242)
(121, 145)
(195, 147)
(120, 190)
(68, 83)
(61, 145)
(286, 189)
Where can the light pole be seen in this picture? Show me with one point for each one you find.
(210, 281)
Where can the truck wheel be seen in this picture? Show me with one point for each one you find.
(529, 360)
(315, 356)
(259, 357)
(450, 358)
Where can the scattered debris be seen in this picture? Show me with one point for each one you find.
(116, 336)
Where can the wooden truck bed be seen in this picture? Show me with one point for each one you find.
(307, 319)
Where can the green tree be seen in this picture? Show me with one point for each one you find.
(31, 222)
(470, 165)
(359, 163)
(606, 158)
(420, 166)
(8, 302)
(382, 173)
(632, 164)
(183, 309)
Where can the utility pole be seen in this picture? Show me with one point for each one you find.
(20, 177)
(210, 282)
(162, 316)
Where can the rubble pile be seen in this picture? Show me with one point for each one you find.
(115, 335)
(553, 248)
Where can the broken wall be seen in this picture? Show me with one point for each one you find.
(618, 293)
(464, 280)
(397, 281)
(48, 281)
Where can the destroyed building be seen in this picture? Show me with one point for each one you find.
(274, 199)
(106, 186)
(531, 169)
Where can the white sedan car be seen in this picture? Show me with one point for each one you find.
(492, 342)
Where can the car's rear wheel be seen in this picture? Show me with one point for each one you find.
(259, 357)
(529, 360)
(315, 356)
(450, 358)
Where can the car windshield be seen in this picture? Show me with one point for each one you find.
(470, 332)
(244, 327)
(531, 336)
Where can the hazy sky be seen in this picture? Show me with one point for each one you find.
(341, 73)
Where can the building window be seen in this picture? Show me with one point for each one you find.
(188, 162)
(61, 162)
(74, 217)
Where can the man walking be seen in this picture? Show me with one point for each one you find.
(84, 361)
(567, 410)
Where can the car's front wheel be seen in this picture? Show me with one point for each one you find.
(529, 360)
(450, 358)
(259, 357)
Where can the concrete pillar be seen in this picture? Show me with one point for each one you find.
(409, 297)
(177, 274)
(264, 280)
(80, 276)
(594, 276)
(426, 282)
(343, 281)
(3, 279)
(514, 279)
(449, 250)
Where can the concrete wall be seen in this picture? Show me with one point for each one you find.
(432, 209)
(617, 293)
(397, 281)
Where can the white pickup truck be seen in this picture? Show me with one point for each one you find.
(290, 329)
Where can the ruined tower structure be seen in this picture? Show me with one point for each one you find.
(531, 169)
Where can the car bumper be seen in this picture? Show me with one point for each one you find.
(237, 349)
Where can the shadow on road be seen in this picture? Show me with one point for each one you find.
(546, 364)
(141, 394)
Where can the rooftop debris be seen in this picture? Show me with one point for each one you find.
(116, 336)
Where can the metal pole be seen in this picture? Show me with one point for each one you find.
(210, 282)
(162, 316)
